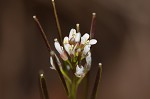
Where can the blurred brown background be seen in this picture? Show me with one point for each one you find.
(123, 34)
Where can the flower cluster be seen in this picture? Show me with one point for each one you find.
(75, 55)
(74, 49)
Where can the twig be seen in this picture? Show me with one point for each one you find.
(57, 21)
(56, 64)
(97, 80)
(42, 33)
(43, 86)
(93, 23)
(92, 32)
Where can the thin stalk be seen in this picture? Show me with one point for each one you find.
(49, 49)
(93, 23)
(69, 64)
(73, 89)
(92, 32)
(43, 86)
(86, 84)
(56, 64)
(57, 21)
(97, 80)
(65, 75)
(84, 81)
(42, 33)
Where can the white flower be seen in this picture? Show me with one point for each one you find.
(80, 71)
(85, 41)
(72, 34)
(75, 45)
(58, 47)
(60, 50)
(52, 63)
(71, 43)
(70, 49)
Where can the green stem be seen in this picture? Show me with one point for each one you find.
(65, 75)
(69, 64)
(73, 89)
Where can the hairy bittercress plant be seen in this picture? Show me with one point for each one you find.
(75, 59)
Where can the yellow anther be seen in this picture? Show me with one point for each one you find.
(87, 42)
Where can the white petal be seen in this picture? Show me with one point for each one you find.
(77, 38)
(84, 38)
(52, 63)
(80, 71)
(83, 41)
(72, 32)
(66, 40)
(86, 49)
(88, 60)
(67, 48)
(93, 41)
(58, 47)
